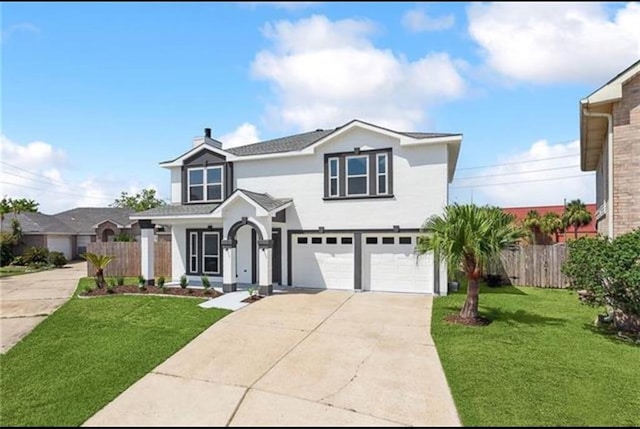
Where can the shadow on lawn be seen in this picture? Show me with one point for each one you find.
(611, 334)
(484, 289)
(521, 317)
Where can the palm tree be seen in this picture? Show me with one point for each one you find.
(551, 223)
(467, 237)
(532, 223)
(99, 262)
(576, 215)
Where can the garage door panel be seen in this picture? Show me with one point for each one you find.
(60, 244)
(326, 266)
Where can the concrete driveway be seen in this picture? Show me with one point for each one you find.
(27, 299)
(324, 358)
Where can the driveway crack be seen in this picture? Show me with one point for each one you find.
(355, 375)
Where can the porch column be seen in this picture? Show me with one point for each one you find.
(229, 266)
(265, 280)
(147, 251)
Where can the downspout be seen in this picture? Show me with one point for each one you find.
(609, 118)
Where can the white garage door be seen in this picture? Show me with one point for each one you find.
(389, 264)
(322, 261)
(60, 243)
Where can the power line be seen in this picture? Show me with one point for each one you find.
(513, 183)
(33, 179)
(515, 172)
(49, 190)
(516, 162)
(32, 173)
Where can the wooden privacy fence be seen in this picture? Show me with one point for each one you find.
(535, 265)
(127, 258)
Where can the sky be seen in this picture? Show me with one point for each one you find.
(95, 95)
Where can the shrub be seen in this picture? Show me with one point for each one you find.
(57, 259)
(6, 252)
(120, 280)
(184, 281)
(124, 237)
(493, 280)
(160, 282)
(36, 255)
(607, 272)
(18, 260)
(205, 282)
(111, 284)
(141, 282)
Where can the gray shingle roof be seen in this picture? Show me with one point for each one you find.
(284, 144)
(178, 210)
(82, 219)
(266, 201)
(35, 223)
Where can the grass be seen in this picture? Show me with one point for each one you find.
(540, 363)
(16, 270)
(89, 351)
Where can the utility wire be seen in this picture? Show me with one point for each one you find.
(515, 173)
(49, 190)
(516, 162)
(521, 181)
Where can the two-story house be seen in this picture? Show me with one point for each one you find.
(338, 209)
(610, 146)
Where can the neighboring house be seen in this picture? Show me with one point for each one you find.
(588, 230)
(610, 145)
(42, 230)
(338, 208)
(70, 231)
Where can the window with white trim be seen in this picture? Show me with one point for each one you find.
(357, 175)
(334, 182)
(382, 177)
(210, 253)
(205, 184)
(193, 252)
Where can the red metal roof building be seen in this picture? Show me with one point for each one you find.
(584, 231)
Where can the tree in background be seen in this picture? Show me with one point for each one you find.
(17, 206)
(467, 237)
(551, 223)
(532, 222)
(576, 215)
(141, 201)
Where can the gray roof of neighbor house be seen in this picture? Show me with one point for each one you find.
(82, 219)
(175, 209)
(37, 223)
(266, 201)
(301, 141)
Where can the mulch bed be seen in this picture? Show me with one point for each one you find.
(119, 290)
(468, 321)
(252, 298)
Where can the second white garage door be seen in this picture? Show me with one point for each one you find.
(323, 261)
(389, 264)
(60, 243)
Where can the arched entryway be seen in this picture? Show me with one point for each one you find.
(108, 235)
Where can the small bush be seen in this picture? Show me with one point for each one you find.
(160, 282)
(141, 282)
(18, 260)
(120, 280)
(36, 255)
(111, 285)
(205, 282)
(57, 259)
(184, 281)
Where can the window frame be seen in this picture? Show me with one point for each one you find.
(385, 174)
(331, 177)
(204, 255)
(193, 239)
(205, 183)
(348, 176)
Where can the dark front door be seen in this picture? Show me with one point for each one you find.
(276, 256)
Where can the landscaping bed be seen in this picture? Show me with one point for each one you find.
(152, 290)
(252, 298)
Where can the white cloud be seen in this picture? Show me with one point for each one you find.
(245, 134)
(523, 181)
(23, 27)
(325, 73)
(417, 20)
(556, 42)
(286, 5)
(38, 171)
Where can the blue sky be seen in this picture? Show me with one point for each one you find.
(94, 95)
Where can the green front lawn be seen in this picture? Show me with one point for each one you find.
(89, 351)
(538, 364)
(16, 270)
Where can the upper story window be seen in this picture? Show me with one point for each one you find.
(359, 174)
(205, 184)
(357, 177)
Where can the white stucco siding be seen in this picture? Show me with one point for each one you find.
(419, 175)
(176, 185)
(178, 251)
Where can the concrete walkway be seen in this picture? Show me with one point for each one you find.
(323, 358)
(27, 299)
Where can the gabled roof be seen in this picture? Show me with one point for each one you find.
(265, 200)
(176, 210)
(612, 90)
(37, 223)
(82, 220)
(283, 144)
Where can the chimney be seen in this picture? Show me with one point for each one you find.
(197, 141)
(207, 132)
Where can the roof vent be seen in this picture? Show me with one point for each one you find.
(319, 129)
(207, 132)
